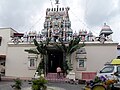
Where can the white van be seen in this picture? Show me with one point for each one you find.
(111, 69)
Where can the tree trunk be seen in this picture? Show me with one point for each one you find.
(67, 63)
(64, 64)
(45, 64)
(68, 59)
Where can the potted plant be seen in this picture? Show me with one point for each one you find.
(39, 84)
(17, 85)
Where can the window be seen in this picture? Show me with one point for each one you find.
(118, 69)
(32, 62)
(108, 69)
(81, 63)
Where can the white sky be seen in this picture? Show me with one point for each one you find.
(29, 15)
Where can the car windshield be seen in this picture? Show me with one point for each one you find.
(108, 69)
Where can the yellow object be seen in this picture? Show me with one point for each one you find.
(109, 82)
(115, 62)
(98, 87)
(87, 88)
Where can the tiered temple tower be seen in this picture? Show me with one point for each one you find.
(57, 24)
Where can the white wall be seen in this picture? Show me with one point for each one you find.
(5, 33)
(97, 55)
(17, 61)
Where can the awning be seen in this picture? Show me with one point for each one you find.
(116, 61)
(2, 57)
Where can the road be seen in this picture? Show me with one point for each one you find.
(67, 86)
(6, 85)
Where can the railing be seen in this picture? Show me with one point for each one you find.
(88, 75)
(52, 77)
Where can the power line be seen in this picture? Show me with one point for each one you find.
(39, 18)
(36, 22)
(32, 26)
(78, 18)
(86, 7)
(82, 22)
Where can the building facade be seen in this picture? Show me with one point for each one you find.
(15, 62)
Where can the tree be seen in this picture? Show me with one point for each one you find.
(42, 50)
(68, 49)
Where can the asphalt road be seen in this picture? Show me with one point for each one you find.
(67, 86)
(6, 85)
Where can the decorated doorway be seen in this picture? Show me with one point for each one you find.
(55, 59)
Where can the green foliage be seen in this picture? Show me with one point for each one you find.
(97, 80)
(67, 67)
(41, 67)
(39, 84)
(42, 49)
(34, 51)
(68, 49)
(18, 84)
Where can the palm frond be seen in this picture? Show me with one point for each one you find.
(74, 48)
(41, 50)
(71, 43)
(48, 41)
(35, 42)
(59, 47)
(63, 46)
(76, 41)
(32, 51)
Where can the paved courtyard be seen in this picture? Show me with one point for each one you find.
(6, 85)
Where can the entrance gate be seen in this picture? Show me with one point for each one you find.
(55, 59)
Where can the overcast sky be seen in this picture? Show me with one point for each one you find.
(29, 15)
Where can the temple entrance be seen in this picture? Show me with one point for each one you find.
(55, 59)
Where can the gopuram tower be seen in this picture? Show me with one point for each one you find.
(57, 25)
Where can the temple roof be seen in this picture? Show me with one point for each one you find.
(90, 34)
(82, 32)
(106, 30)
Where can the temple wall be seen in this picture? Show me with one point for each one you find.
(17, 61)
(96, 56)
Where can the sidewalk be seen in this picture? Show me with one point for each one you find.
(48, 88)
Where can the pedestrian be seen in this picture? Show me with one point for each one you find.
(58, 72)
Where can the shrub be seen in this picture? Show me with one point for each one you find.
(18, 84)
(39, 84)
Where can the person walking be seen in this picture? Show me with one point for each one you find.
(58, 72)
